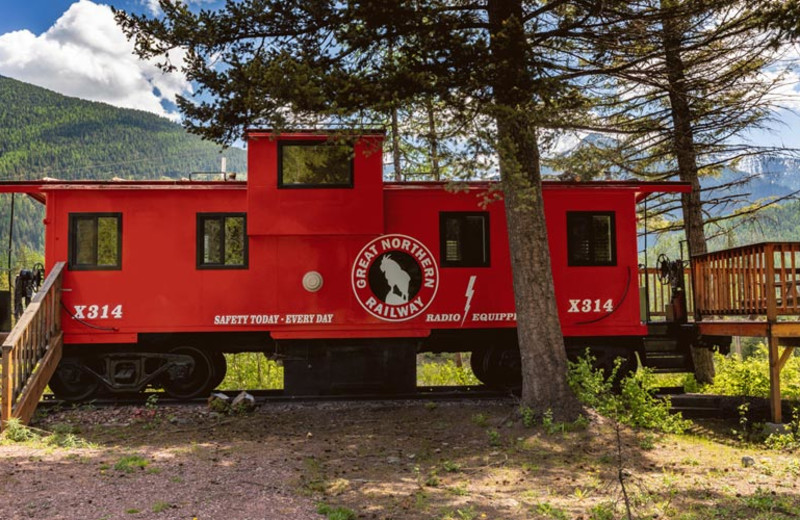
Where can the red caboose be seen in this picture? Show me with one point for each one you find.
(317, 260)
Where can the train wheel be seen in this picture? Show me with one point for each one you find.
(70, 382)
(199, 381)
(220, 367)
(499, 367)
(476, 362)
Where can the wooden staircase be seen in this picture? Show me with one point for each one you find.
(32, 350)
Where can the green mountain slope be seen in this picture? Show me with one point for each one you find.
(45, 134)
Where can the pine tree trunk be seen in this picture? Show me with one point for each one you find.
(398, 165)
(433, 140)
(544, 364)
(683, 141)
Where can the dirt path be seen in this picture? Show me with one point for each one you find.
(401, 460)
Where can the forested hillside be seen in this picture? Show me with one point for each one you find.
(45, 134)
(779, 223)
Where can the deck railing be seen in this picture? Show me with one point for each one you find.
(760, 279)
(660, 294)
(32, 350)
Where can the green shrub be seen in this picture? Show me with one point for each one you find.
(445, 373)
(635, 404)
(252, 370)
(750, 376)
(528, 416)
(789, 441)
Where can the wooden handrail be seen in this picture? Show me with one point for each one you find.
(761, 279)
(32, 350)
(659, 294)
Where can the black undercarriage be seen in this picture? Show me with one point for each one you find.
(192, 365)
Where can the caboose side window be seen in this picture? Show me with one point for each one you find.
(95, 241)
(221, 241)
(464, 239)
(315, 164)
(591, 238)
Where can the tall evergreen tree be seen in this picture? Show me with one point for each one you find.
(276, 62)
(695, 83)
(783, 15)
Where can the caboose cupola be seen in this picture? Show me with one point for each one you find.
(314, 183)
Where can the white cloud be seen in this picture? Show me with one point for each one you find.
(85, 54)
(155, 9)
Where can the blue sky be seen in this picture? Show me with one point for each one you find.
(39, 15)
(34, 15)
(74, 47)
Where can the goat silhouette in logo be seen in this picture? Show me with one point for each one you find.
(397, 279)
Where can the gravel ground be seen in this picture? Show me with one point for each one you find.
(393, 460)
(182, 469)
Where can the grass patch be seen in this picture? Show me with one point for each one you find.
(129, 463)
(62, 436)
(336, 513)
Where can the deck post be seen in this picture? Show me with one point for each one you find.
(772, 341)
(774, 378)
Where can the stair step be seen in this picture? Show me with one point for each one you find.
(657, 329)
(660, 345)
(672, 361)
(696, 400)
(697, 412)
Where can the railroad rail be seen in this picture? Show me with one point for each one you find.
(435, 393)
(691, 406)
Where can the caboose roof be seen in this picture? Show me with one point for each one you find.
(642, 189)
(37, 189)
(314, 133)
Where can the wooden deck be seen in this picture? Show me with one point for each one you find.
(752, 291)
(32, 350)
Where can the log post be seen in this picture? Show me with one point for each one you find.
(774, 378)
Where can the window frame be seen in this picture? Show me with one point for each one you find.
(72, 247)
(297, 186)
(200, 219)
(487, 247)
(571, 262)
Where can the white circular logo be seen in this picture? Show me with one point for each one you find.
(395, 277)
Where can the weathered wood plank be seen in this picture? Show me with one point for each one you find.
(32, 350)
(32, 392)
